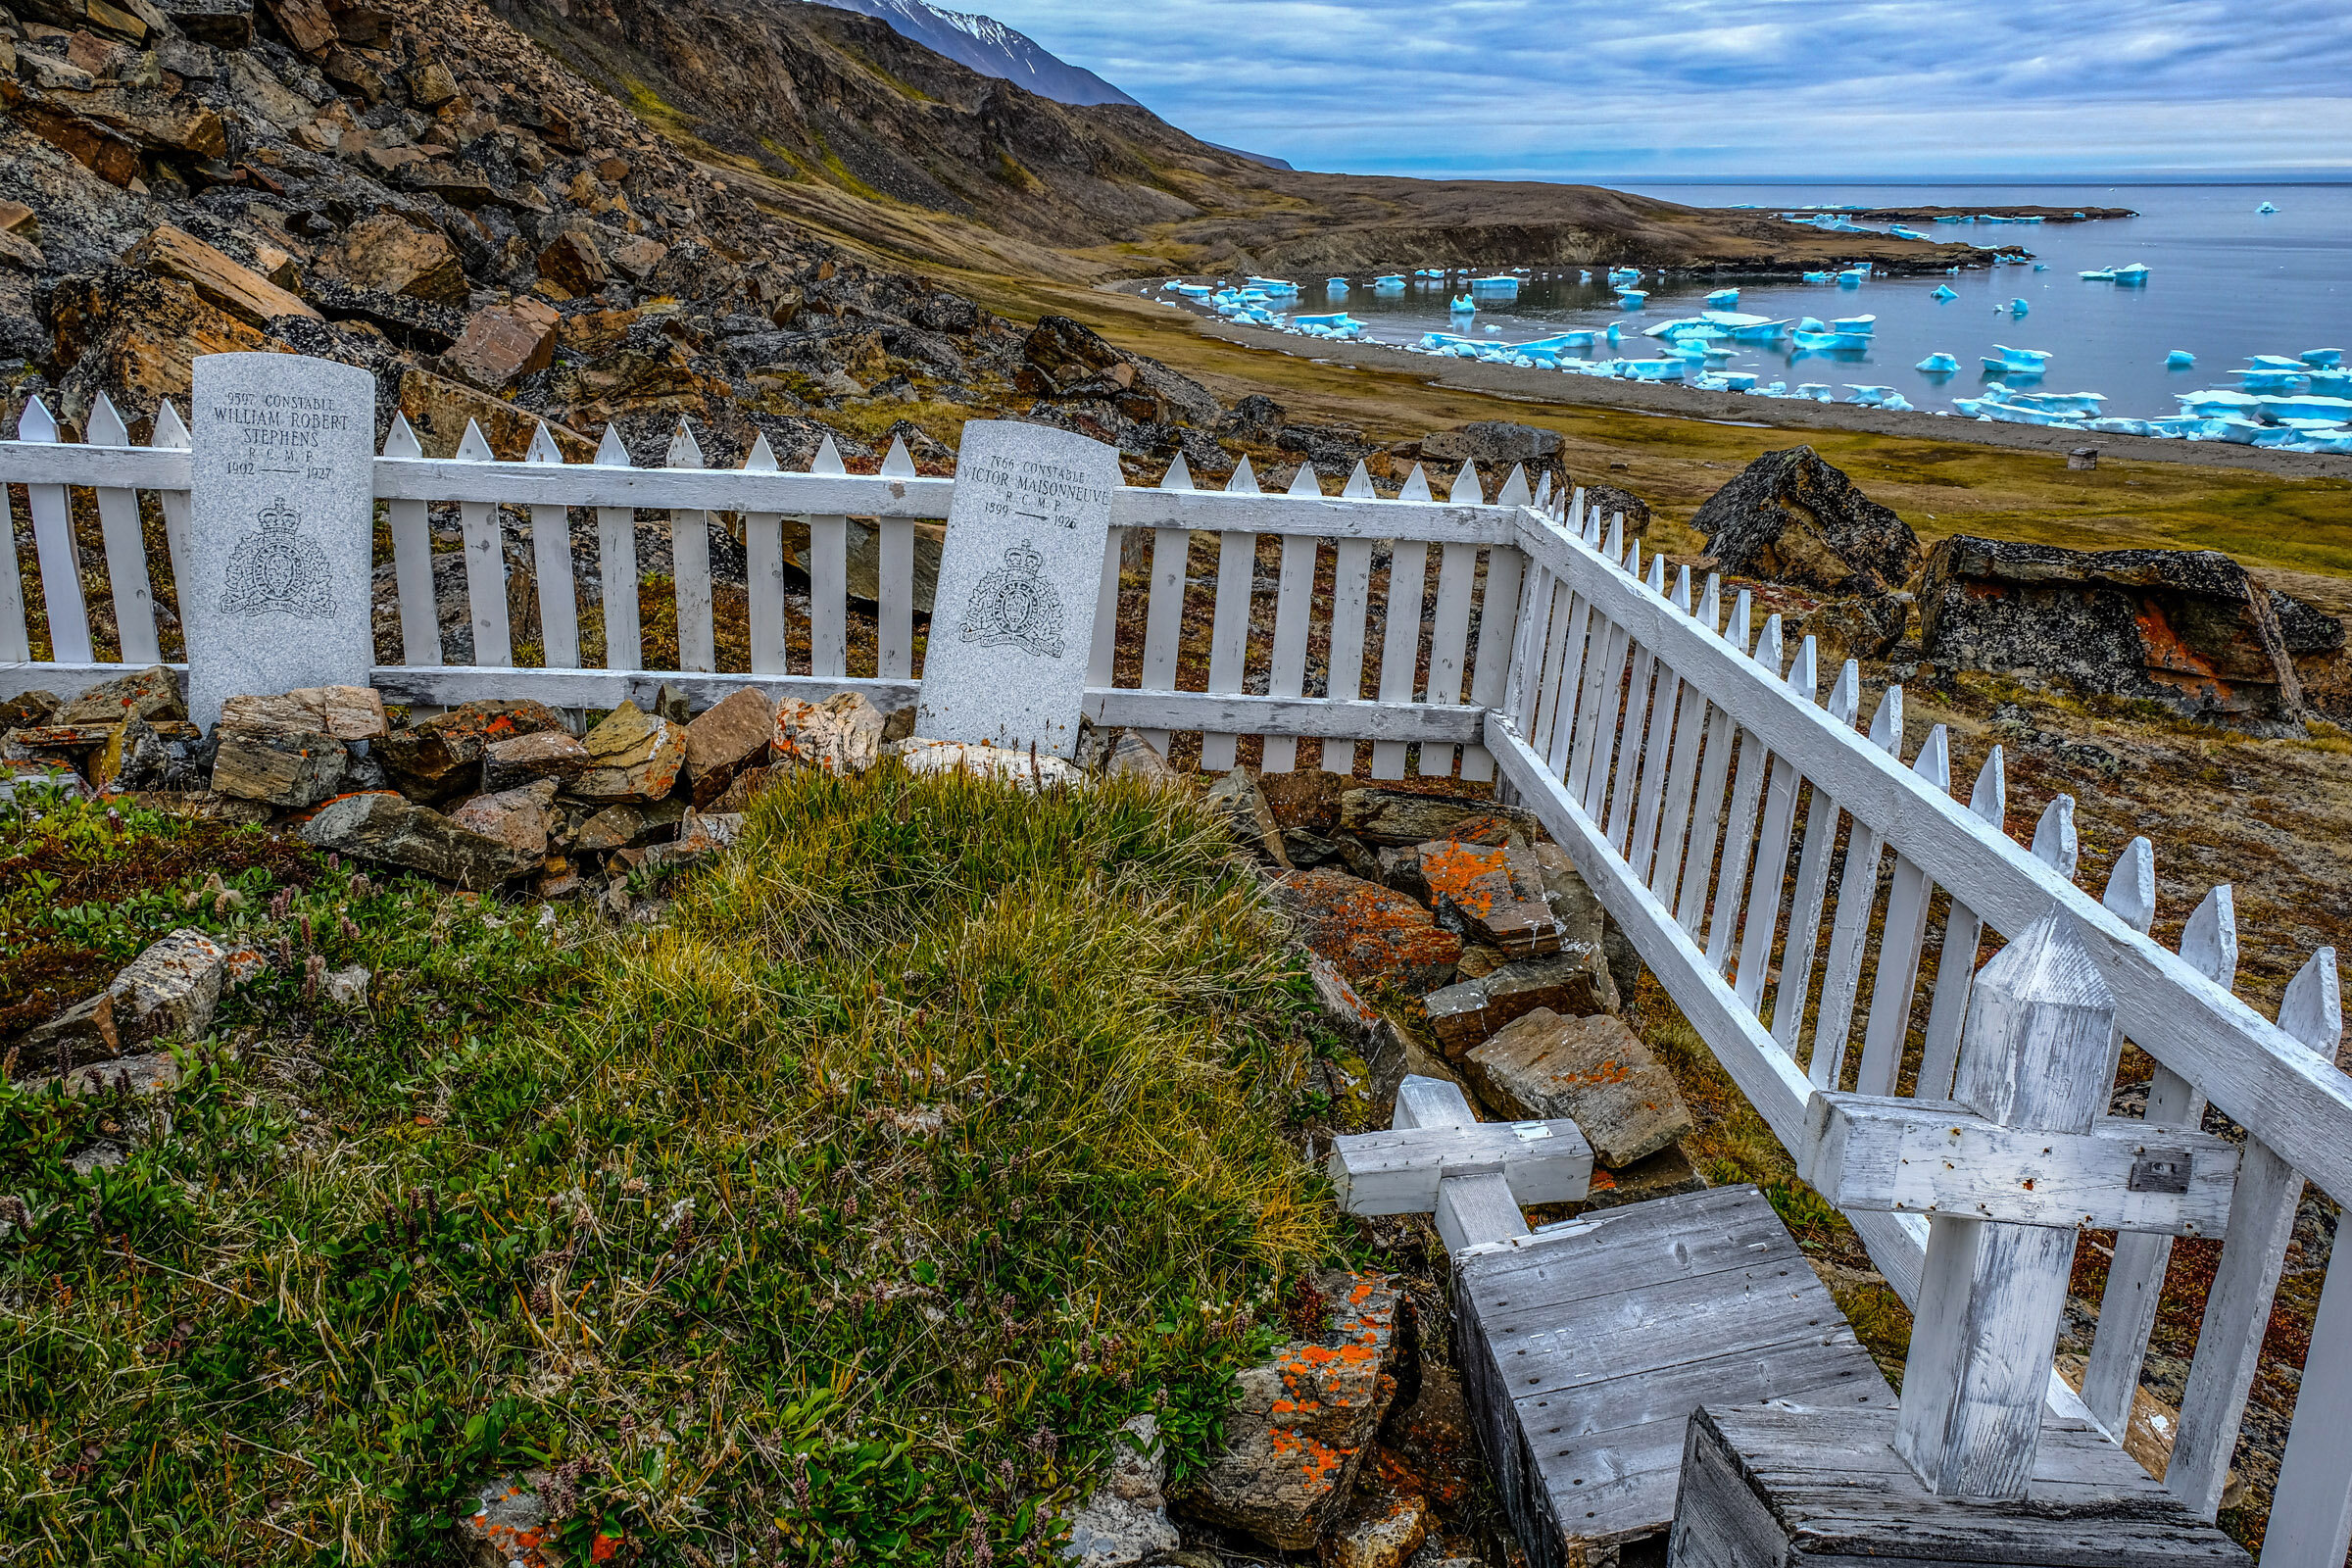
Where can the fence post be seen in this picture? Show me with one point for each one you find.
(1992, 1295)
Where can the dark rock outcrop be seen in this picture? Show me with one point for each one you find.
(2187, 628)
(1792, 518)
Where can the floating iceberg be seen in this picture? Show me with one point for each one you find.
(1833, 342)
(1938, 365)
(1386, 283)
(1945, 291)
(2273, 380)
(1462, 305)
(1273, 285)
(1760, 332)
(1863, 325)
(2114, 426)
(1724, 298)
(2070, 404)
(2211, 405)
(1739, 381)
(1853, 276)
(1654, 369)
(1624, 275)
(2019, 307)
(1682, 326)
(2321, 359)
(2180, 358)
(1814, 391)
(1898, 231)
(2275, 362)
(1431, 271)
(2011, 414)
(2334, 383)
(2334, 410)
(2100, 274)
(1869, 396)
(1335, 285)
(1494, 286)
(1812, 324)
(2136, 272)
(2265, 209)
(1631, 299)
(1817, 277)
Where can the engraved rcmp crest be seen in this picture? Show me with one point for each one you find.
(1016, 607)
(276, 570)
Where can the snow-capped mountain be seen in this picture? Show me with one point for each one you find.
(991, 48)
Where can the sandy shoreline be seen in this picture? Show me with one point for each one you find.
(1553, 387)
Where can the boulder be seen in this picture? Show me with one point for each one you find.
(1062, 359)
(632, 755)
(1380, 1533)
(134, 758)
(1574, 982)
(346, 712)
(1611, 502)
(1399, 818)
(504, 343)
(282, 764)
(1252, 821)
(1125, 1522)
(440, 757)
(1594, 1071)
(28, 710)
(170, 990)
(1374, 936)
(1257, 418)
(2187, 628)
(152, 694)
(572, 265)
(732, 734)
(553, 754)
(512, 1525)
(621, 827)
(701, 835)
(439, 408)
(243, 293)
(390, 254)
(138, 336)
(1792, 518)
(1298, 1434)
(1491, 442)
(392, 830)
(516, 818)
(843, 734)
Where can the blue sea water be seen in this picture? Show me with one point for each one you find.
(2224, 282)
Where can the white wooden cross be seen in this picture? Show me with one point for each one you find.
(1473, 1177)
(2021, 1159)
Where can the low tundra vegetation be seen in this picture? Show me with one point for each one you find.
(840, 1216)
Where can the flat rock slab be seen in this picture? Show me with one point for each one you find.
(1399, 817)
(1586, 1346)
(1372, 934)
(1592, 1071)
(1811, 1481)
(1573, 983)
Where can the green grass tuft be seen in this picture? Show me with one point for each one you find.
(841, 1216)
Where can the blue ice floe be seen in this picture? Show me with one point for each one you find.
(1275, 287)
(2180, 358)
(2265, 209)
(1737, 381)
(2066, 405)
(2334, 410)
(2273, 380)
(1898, 231)
(2017, 361)
(1724, 298)
(1335, 285)
(2136, 272)
(1938, 365)
(1860, 325)
(2019, 307)
(1759, 332)
(2098, 274)
(1945, 291)
(1831, 342)
(1462, 305)
(1386, 283)
(2321, 359)
(1631, 299)
(1431, 271)
(1814, 391)
(1653, 370)
(1817, 277)
(2334, 383)
(1853, 276)
(1503, 284)
(1870, 397)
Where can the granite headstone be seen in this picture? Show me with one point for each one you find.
(1013, 622)
(281, 529)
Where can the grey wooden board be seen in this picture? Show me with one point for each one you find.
(1768, 1483)
(1587, 1345)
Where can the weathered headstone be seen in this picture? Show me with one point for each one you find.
(281, 526)
(1014, 618)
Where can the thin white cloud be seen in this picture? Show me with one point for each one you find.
(1753, 87)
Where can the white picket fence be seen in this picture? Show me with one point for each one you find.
(1687, 763)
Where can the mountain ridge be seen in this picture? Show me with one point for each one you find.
(988, 46)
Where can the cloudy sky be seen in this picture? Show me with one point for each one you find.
(1742, 87)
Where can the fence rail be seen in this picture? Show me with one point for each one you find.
(1785, 874)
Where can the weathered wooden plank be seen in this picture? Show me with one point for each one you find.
(36, 458)
(1285, 671)
(829, 574)
(1400, 722)
(1963, 933)
(1597, 742)
(451, 684)
(1163, 617)
(2311, 1510)
(616, 567)
(1849, 927)
(1351, 611)
(1762, 916)
(1903, 934)
(1398, 1172)
(485, 562)
(690, 564)
(1430, 1102)
(1739, 844)
(1813, 883)
(170, 435)
(1935, 1157)
(894, 604)
(551, 563)
(1400, 643)
(125, 548)
(1229, 627)
(1498, 612)
(1681, 780)
(763, 575)
(1450, 643)
(1582, 638)
(1531, 648)
(53, 535)
(1477, 1212)
(16, 642)
(1631, 732)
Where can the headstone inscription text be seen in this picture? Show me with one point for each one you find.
(1018, 578)
(280, 527)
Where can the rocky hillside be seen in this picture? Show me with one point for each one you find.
(840, 119)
